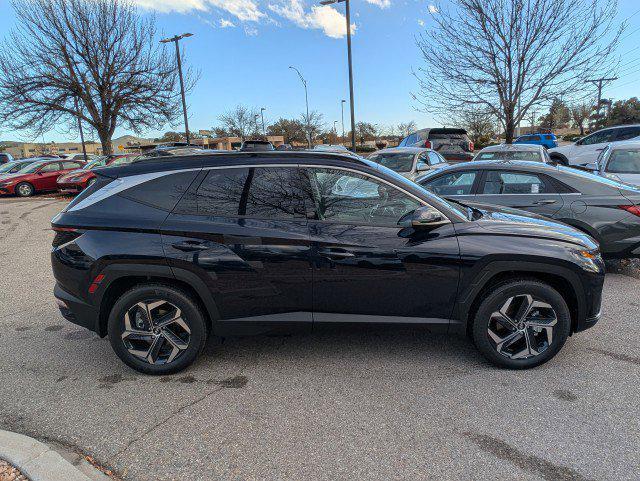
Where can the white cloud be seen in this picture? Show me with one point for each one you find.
(243, 10)
(325, 18)
(250, 31)
(380, 3)
(433, 9)
(421, 22)
(224, 23)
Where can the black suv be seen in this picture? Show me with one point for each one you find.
(160, 254)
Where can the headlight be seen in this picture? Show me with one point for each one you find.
(589, 259)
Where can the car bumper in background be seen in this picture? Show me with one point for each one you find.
(70, 187)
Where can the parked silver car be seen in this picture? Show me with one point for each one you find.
(409, 162)
(526, 152)
(619, 161)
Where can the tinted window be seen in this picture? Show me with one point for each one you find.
(454, 183)
(423, 162)
(253, 192)
(514, 183)
(343, 196)
(163, 192)
(627, 133)
(435, 158)
(527, 155)
(599, 137)
(624, 161)
(399, 162)
(71, 165)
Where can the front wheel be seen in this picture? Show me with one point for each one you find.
(521, 324)
(24, 189)
(157, 329)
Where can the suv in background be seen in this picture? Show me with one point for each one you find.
(158, 255)
(546, 140)
(453, 144)
(588, 149)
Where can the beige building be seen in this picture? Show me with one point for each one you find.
(232, 143)
(29, 149)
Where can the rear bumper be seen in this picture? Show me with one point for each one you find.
(458, 157)
(75, 310)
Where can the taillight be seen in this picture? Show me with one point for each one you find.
(632, 209)
(64, 235)
(427, 144)
(471, 146)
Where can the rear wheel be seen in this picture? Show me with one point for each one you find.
(24, 189)
(521, 324)
(157, 329)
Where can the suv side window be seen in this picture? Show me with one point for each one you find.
(435, 158)
(163, 192)
(351, 198)
(262, 192)
(502, 182)
(627, 133)
(600, 137)
(52, 167)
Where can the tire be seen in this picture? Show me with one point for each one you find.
(559, 159)
(24, 189)
(157, 350)
(519, 344)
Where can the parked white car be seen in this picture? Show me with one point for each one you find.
(588, 149)
(410, 162)
(620, 161)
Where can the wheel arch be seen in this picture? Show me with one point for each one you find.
(561, 279)
(558, 157)
(121, 278)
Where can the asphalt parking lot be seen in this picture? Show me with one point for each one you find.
(343, 404)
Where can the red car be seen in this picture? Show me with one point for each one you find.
(37, 177)
(78, 180)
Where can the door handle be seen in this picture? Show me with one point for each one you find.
(544, 202)
(336, 253)
(190, 246)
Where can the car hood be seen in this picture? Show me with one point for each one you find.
(11, 176)
(514, 222)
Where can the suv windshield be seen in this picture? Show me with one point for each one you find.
(399, 162)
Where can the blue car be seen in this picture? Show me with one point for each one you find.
(546, 140)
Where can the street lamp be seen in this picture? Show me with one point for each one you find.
(353, 115)
(335, 129)
(306, 97)
(264, 132)
(342, 105)
(176, 39)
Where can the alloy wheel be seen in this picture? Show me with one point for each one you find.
(24, 190)
(523, 327)
(155, 332)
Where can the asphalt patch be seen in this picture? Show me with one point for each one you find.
(617, 356)
(565, 395)
(55, 327)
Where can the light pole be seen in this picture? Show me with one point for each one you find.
(306, 97)
(176, 39)
(335, 130)
(264, 132)
(353, 115)
(342, 105)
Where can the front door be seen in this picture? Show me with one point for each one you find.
(244, 232)
(46, 177)
(528, 191)
(366, 267)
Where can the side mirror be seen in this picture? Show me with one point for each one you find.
(423, 218)
(591, 166)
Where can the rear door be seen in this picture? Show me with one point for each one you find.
(243, 232)
(530, 191)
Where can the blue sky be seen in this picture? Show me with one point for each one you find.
(243, 49)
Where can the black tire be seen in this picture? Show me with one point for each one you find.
(24, 189)
(559, 159)
(492, 303)
(192, 316)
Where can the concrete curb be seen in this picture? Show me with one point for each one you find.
(37, 460)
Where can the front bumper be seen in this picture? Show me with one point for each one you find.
(75, 310)
(588, 323)
(70, 187)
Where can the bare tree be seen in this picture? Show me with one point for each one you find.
(96, 60)
(314, 124)
(506, 56)
(478, 123)
(407, 128)
(579, 115)
(240, 121)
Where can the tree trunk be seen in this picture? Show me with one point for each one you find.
(581, 130)
(105, 140)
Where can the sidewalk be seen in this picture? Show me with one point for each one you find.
(40, 462)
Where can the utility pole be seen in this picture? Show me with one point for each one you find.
(306, 97)
(342, 105)
(176, 39)
(84, 149)
(534, 114)
(599, 82)
(353, 114)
